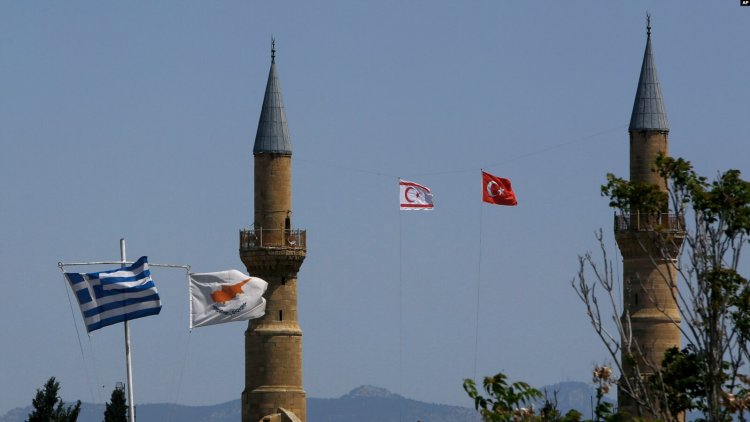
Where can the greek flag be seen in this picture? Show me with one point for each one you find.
(113, 296)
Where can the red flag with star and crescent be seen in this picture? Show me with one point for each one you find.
(497, 190)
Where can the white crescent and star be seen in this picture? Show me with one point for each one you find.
(493, 192)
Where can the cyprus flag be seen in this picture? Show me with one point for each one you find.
(225, 296)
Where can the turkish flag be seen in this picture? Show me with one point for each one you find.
(497, 190)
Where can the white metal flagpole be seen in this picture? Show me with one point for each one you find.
(128, 365)
(128, 361)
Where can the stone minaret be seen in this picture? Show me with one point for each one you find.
(274, 252)
(649, 274)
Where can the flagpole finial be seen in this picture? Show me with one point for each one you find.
(273, 50)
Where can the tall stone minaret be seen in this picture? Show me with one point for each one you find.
(649, 274)
(274, 252)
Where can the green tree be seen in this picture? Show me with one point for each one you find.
(504, 402)
(514, 402)
(117, 410)
(49, 407)
(713, 297)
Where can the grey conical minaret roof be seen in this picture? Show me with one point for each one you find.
(272, 136)
(648, 108)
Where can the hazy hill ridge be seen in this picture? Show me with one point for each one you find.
(363, 404)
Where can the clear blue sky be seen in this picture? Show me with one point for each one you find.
(137, 120)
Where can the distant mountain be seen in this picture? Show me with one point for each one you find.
(363, 404)
(374, 404)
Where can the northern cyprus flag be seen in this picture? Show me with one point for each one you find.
(413, 196)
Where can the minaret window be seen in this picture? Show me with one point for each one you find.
(281, 315)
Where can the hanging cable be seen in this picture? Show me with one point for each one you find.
(400, 319)
(472, 169)
(336, 166)
(78, 337)
(178, 388)
(479, 280)
(556, 146)
(528, 154)
(467, 170)
(97, 380)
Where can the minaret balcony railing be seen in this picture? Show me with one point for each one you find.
(272, 238)
(649, 221)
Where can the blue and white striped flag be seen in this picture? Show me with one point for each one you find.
(113, 296)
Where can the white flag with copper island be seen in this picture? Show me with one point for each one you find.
(225, 296)
(413, 196)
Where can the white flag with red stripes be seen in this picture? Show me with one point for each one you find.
(413, 196)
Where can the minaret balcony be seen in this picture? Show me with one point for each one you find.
(636, 222)
(272, 238)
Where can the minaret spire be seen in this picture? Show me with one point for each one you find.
(272, 136)
(648, 109)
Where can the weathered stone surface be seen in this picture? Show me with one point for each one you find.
(274, 252)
